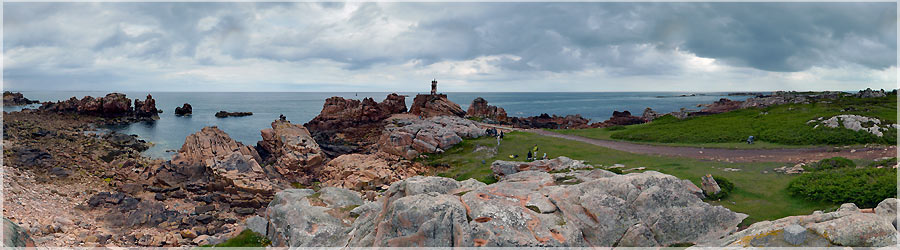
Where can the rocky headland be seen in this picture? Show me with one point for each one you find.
(114, 108)
(16, 99)
(352, 126)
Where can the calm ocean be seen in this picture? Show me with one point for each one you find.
(169, 131)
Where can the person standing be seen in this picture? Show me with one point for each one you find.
(529, 155)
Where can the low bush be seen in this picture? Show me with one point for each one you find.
(865, 187)
(614, 128)
(890, 162)
(830, 163)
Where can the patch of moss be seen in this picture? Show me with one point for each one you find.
(246, 238)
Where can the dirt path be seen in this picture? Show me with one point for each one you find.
(792, 155)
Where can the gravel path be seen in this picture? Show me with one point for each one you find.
(792, 155)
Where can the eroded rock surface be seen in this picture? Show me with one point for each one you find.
(845, 227)
(16, 99)
(527, 208)
(290, 149)
(855, 123)
(490, 114)
(349, 126)
(435, 105)
(409, 137)
(503, 168)
(367, 171)
(551, 122)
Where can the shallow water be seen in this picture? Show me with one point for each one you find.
(169, 131)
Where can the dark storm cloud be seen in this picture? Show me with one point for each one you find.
(618, 38)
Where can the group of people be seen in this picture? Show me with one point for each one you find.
(533, 154)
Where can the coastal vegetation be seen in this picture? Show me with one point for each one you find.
(786, 125)
(758, 191)
(838, 180)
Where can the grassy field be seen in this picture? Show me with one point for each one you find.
(781, 126)
(763, 196)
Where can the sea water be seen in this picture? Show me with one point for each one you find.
(168, 133)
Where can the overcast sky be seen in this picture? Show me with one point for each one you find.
(506, 47)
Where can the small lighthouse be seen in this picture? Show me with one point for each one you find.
(433, 86)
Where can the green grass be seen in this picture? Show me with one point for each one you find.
(762, 196)
(778, 126)
(246, 238)
(605, 134)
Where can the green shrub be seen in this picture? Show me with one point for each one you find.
(865, 187)
(890, 162)
(724, 184)
(615, 170)
(830, 163)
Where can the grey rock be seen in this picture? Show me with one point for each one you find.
(295, 220)
(795, 234)
(504, 168)
(257, 224)
(709, 185)
(637, 236)
(845, 227)
(848, 207)
(15, 236)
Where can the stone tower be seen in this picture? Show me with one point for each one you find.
(433, 86)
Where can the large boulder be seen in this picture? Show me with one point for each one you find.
(527, 208)
(208, 144)
(146, 108)
(346, 126)
(185, 109)
(435, 105)
(503, 168)
(709, 185)
(243, 173)
(480, 109)
(15, 236)
(845, 227)
(649, 114)
(304, 218)
(367, 171)
(290, 149)
(409, 137)
(869, 93)
(16, 99)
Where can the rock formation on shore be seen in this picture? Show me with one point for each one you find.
(623, 118)
(551, 122)
(435, 105)
(489, 114)
(650, 115)
(524, 209)
(16, 99)
(721, 106)
(225, 114)
(290, 149)
(848, 226)
(113, 105)
(185, 109)
(347, 126)
(409, 137)
(368, 172)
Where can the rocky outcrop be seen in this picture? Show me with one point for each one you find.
(623, 118)
(855, 123)
(650, 115)
(551, 122)
(848, 226)
(16, 99)
(225, 114)
(146, 108)
(866, 93)
(290, 149)
(367, 171)
(489, 114)
(243, 173)
(185, 109)
(209, 144)
(721, 106)
(346, 126)
(501, 169)
(524, 209)
(435, 105)
(15, 236)
(409, 137)
(111, 105)
(305, 218)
